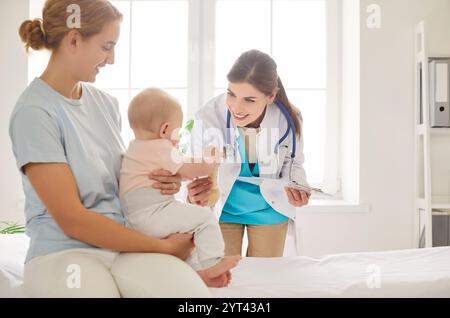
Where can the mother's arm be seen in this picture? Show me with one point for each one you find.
(61, 198)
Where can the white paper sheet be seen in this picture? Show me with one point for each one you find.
(280, 183)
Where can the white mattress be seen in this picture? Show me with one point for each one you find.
(405, 273)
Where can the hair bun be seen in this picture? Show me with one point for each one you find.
(32, 34)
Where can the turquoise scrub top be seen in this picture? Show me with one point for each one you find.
(245, 204)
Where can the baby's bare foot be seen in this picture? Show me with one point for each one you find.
(219, 275)
(216, 282)
(225, 264)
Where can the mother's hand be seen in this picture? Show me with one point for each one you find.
(166, 182)
(180, 245)
(199, 191)
(296, 197)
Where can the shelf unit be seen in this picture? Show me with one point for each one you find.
(427, 150)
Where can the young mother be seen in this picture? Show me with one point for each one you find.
(66, 140)
(252, 109)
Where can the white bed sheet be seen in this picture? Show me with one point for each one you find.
(13, 248)
(403, 273)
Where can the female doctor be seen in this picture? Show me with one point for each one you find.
(243, 118)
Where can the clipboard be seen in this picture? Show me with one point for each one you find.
(282, 184)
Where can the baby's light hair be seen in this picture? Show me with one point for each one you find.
(151, 108)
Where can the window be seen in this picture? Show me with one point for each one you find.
(152, 51)
(188, 46)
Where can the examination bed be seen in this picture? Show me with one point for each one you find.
(402, 273)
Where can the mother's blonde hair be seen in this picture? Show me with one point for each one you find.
(47, 33)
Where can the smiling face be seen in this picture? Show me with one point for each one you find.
(247, 104)
(93, 53)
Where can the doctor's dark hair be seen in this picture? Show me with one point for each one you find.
(260, 70)
(47, 33)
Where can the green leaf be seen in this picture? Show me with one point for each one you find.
(11, 228)
(189, 125)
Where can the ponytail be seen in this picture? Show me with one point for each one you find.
(293, 111)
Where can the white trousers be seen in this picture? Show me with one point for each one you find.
(102, 273)
(145, 214)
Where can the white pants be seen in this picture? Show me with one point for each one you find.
(150, 213)
(102, 273)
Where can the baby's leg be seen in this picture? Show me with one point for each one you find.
(213, 268)
(178, 217)
(201, 221)
(193, 260)
(210, 246)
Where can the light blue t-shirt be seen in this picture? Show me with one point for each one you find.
(46, 127)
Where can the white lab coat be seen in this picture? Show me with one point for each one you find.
(213, 115)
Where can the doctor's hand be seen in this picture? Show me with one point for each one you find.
(199, 191)
(296, 197)
(167, 183)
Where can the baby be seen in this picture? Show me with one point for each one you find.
(155, 118)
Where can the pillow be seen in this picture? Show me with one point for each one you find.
(12, 258)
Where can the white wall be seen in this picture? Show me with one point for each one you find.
(386, 137)
(13, 80)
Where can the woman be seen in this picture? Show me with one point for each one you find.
(66, 140)
(254, 87)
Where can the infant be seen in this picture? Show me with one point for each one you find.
(155, 118)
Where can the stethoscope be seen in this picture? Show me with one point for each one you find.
(290, 129)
